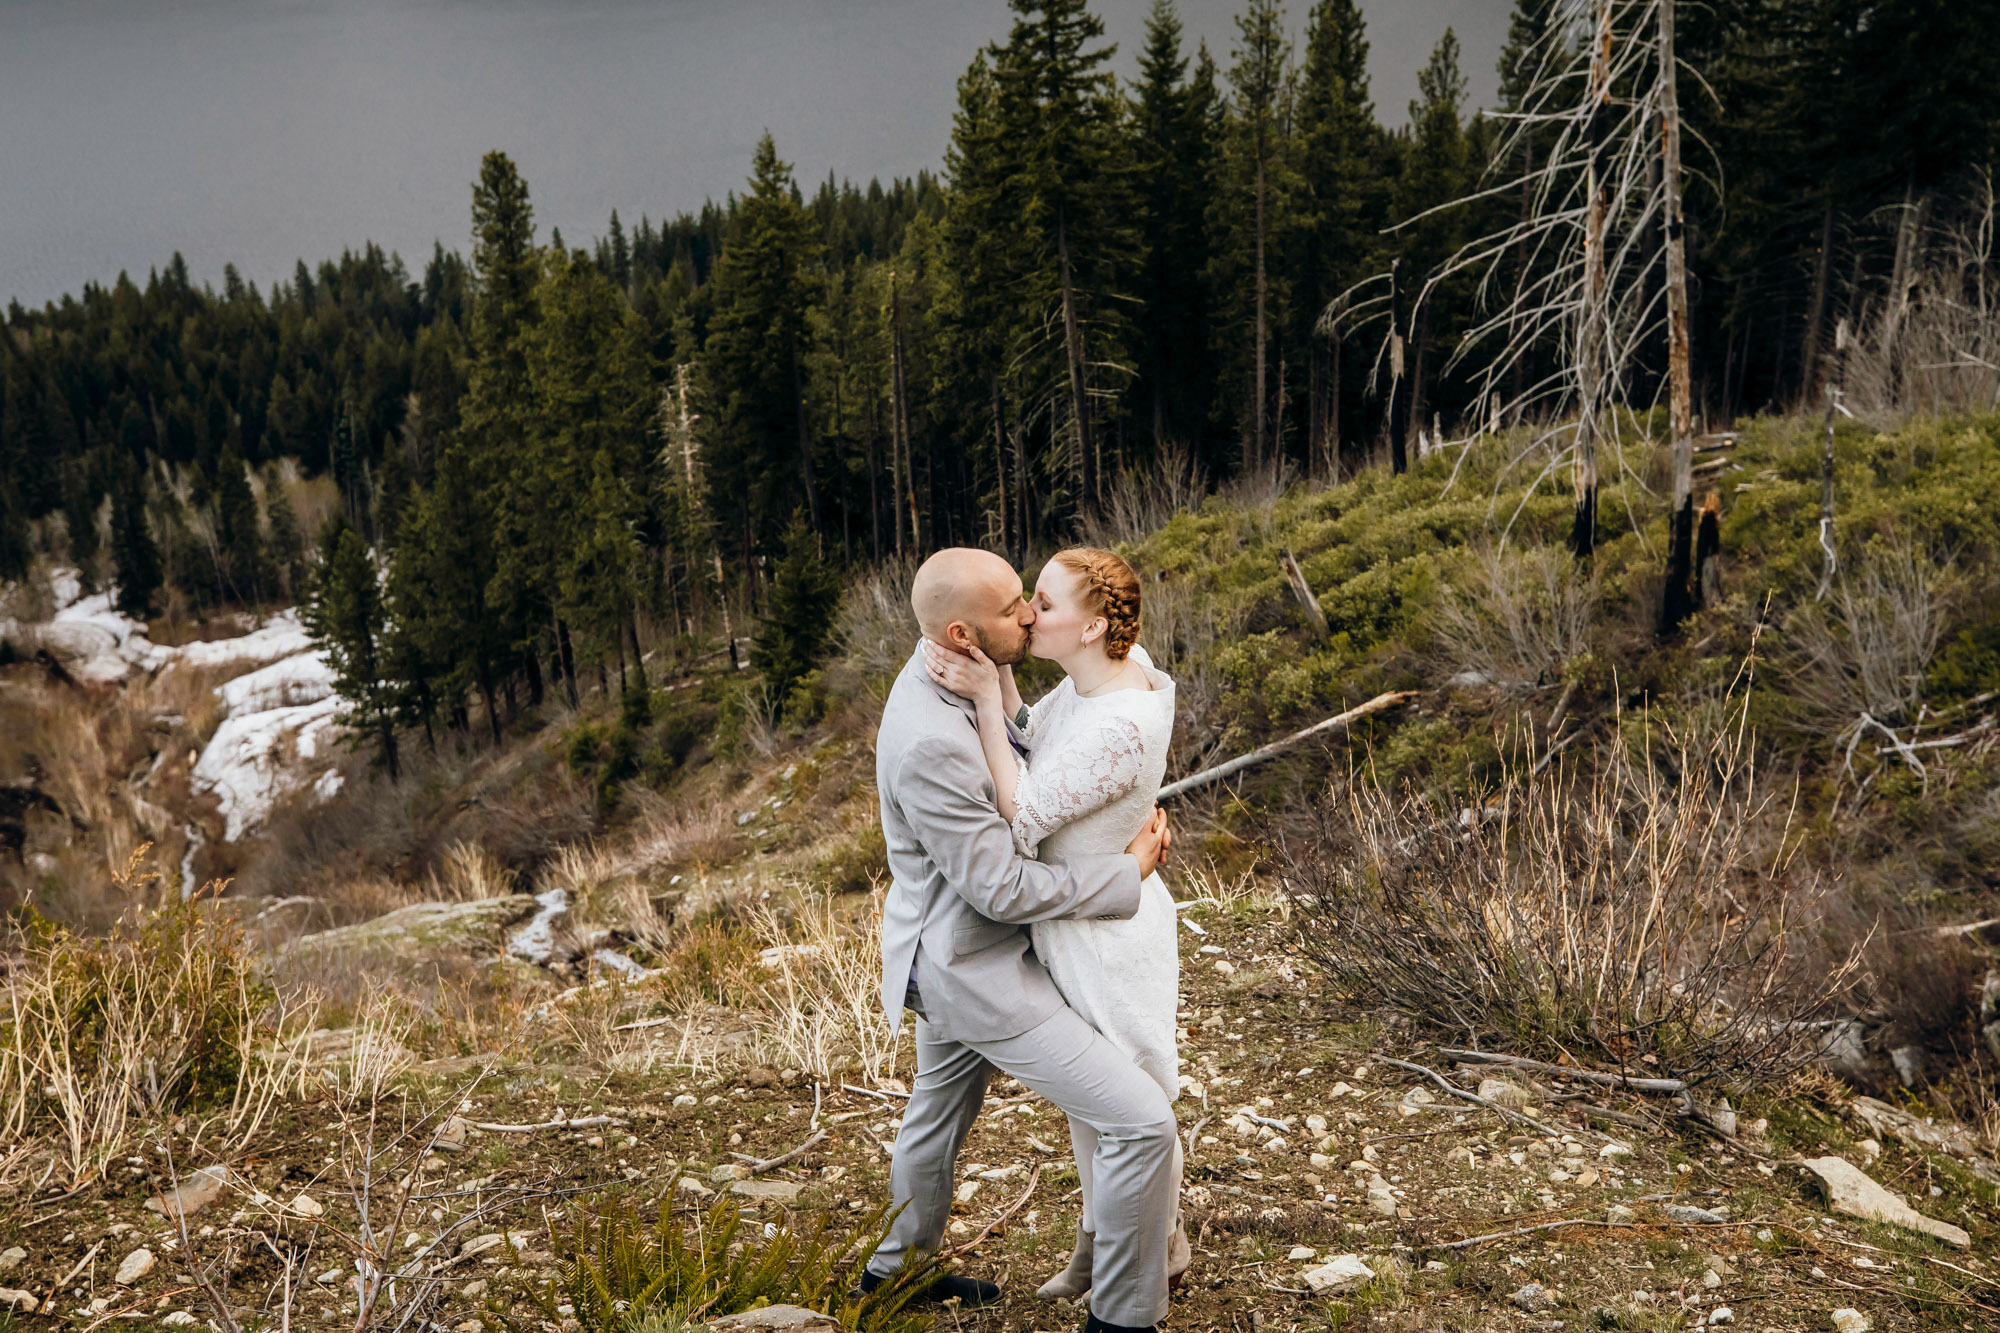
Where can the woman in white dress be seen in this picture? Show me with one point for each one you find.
(1097, 753)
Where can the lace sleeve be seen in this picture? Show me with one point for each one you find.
(1062, 786)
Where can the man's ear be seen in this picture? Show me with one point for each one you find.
(957, 635)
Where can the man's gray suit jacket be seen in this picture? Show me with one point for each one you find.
(959, 891)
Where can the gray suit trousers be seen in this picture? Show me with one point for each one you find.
(1135, 1167)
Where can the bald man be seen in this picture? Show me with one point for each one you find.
(955, 953)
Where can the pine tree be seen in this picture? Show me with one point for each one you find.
(236, 530)
(1173, 137)
(137, 557)
(1257, 204)
(494, 423)
(798, 625)
(346, 618)
(287, 550)
(1058, 107)
(1437, 167)
(759, 338)
(1344, 188)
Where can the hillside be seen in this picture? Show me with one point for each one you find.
(658, 909)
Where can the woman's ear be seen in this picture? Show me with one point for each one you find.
(1096, 630)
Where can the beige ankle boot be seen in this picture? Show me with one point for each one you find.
(1074, 1281)
(1179, 1253)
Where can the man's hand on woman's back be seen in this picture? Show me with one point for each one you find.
(1150, 847)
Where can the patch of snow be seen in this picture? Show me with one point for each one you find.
(250, 764)
(329, 782)
(278, 637)
(304, 679)
(619, 963)
(536, 941)
(97, 643)
(65, 585)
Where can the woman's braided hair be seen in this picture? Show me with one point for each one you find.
(1109, 589)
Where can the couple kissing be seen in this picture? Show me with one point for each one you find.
(1026, 927)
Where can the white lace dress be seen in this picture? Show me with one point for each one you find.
(1088, 786)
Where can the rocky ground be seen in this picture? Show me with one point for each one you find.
(1326, 1187)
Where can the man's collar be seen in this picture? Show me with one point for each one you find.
(958, 701)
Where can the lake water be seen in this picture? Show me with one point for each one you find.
(262, 131)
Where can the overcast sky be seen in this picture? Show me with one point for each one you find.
(261, 131)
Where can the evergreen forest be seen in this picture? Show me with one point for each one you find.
(533, 460)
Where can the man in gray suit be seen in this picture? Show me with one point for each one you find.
(954, 951)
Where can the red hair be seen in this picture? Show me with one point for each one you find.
(1110, 589)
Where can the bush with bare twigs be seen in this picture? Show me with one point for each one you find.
(1515, 617)
(1855, 664)
(1618, 915)
(1141, 501)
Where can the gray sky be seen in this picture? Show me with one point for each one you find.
(261, 131)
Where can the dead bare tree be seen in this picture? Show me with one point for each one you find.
(1576, 271)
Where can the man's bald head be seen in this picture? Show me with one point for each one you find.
(980, 593)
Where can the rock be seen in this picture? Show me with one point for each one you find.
(1586, 1177)
(1381, 1200)
(782, 1191)
(1909, 1062)
(1415, 1100)
(1848, 1320)
(689, 1185)
(1711, 1279)
(1870, 1150)
(1316, 1124)
(687, 1099)
(1722, 1314)
(1890, 1122)
(423, 935)
(178, 1319)
(307, 1206)
(330, 1277)
(1618, 1213)
(195, 1193)
(1506, 1092)
(1845, 1049)
(763, 1076)
(1850, 1191)
(775, 1319)
(472, 1291)
(1534, 1298)
(1301, 1253)
(20, 1302)
(135, 1266)
(723, 1175)
(1343, 1273)
(451, 1134)
(12, 1258)
(1681, 1212)
(1614, 1152)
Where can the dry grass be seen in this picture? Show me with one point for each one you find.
(1644, 913)
(823, 1008)
(875, 628)
(1936, 350)
(170, 1013)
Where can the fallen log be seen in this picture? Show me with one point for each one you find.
(1337, 723)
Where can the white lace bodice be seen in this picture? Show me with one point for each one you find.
(1093, 766)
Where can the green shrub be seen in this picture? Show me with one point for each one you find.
(623, 1273)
